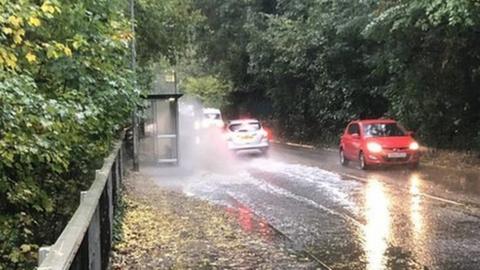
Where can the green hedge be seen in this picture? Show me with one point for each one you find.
(65, 93)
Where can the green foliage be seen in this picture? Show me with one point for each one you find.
(221, 39)
(65, 92)
(430, 56)
(322, 63)
(163, 30)
(211, 90)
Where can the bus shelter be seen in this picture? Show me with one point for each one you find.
(160, 140)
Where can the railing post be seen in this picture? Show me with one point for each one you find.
(94, 235)
(42, 254)
(119, 166)
(110, 205)
(94, 248)
(82, 195)
(86, 241)
(84, 260)
(117, 174)
(121, 162)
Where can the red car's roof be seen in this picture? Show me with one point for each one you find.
(375, 121)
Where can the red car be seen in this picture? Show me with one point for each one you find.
(378, 142)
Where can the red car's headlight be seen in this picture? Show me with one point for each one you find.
(374, 147)
(414, 146)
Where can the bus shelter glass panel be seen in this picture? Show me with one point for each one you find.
(160, 144)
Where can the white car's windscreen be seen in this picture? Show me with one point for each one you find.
(212, 116)
(245, 127)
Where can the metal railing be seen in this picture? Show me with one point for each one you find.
(86, 241)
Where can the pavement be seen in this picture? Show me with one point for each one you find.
(345, 218)
(162, 229)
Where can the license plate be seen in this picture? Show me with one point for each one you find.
(397, 155)
(246, 137)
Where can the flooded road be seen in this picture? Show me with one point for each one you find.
(389, 218)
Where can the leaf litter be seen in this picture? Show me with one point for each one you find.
(164, 229)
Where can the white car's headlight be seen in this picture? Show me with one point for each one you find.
(205, 123)
(374, 147)
(414, 146)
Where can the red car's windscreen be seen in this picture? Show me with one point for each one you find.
(383, 130)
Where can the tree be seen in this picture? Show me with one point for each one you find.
(322, 63)
(65, 93)
(429, 61)
(211, 90)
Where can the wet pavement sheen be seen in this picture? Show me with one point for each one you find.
(389, 218)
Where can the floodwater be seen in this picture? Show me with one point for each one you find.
(390, 218)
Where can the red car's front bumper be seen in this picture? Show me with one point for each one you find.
(393, 156)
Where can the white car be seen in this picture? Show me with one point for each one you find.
(211, 118)
(246, 134)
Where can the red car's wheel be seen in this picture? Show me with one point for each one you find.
(343, 159)
(363, 162)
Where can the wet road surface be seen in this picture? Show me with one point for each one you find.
(391, 218)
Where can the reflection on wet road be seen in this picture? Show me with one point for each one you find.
(349, 219)
(377, 227)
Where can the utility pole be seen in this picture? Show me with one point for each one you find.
(136, 166)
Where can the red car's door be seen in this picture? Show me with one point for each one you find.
(348, 141)
(356, 143)
(352, 143)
